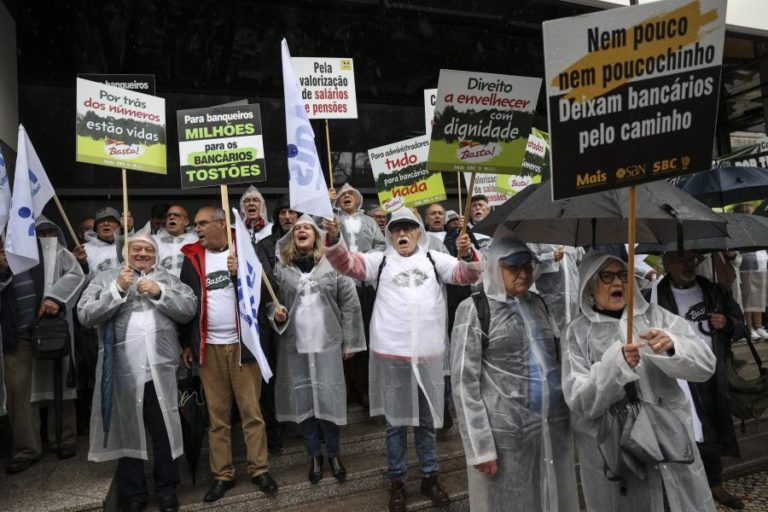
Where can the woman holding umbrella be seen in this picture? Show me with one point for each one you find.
(321, 326)
(598, 363)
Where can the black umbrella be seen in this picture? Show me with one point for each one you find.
(727, 185)
(194, 420)
(745, 233)
(664, 214)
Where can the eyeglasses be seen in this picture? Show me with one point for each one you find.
(607, 277)
(516, 269)
(690, 259)
(203, 223)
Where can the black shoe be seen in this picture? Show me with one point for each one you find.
(66, 452)
(726, 499)
(315, 469)
(168, 503)
(133, 506)
(217, 490)
(338, 469)
(18, 465)
(266, 483)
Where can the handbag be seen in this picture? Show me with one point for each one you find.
(634, 433)
(50, 337)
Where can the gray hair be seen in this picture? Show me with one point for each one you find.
(594, 279)
(218, 213)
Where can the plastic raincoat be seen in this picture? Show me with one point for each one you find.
(594, 373)
(408, 335)
(169, 255)
(155, 355)
(508, 400)
(324, 320)
(63, 279)
(360, 232)
(558, 282)
(266, 230)
(100, 255)
(754, 281)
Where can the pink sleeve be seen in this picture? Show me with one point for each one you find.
(465, 273)
(350, 264)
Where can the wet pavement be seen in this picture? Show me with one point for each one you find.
(752, 489)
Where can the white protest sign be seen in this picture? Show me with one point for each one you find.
(327, 87)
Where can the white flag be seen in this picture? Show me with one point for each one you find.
(31, 191)
(249, 294)
(306, 183)
(5, 193)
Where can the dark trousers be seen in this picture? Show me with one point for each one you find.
(131, 481)
(713, 464)
(356, 369)
(310, 429)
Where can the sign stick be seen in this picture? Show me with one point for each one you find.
(328, 148)
(125, 217)
(458, 186)
(470, 188)
(66, 220)
(631, 262)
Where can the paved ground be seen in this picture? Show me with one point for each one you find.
(753, 489)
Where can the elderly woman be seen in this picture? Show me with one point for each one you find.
(321, 326)
(598, 363)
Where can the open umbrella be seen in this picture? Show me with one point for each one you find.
(194, 420)
(664, 214)
(722, 186)
(745, 233)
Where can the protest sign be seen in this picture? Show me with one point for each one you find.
(480, 122)
(487, 185)
(327, 87)
(220, 146)
(755, 155)
(632, 93)
(139, 83)
(401, 174)
(120, 128)
(535, 166)
(430, 98)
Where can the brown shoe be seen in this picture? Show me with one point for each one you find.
(432, 489)
(725, 498)
(397, 496)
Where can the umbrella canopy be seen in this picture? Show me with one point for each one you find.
(745, 233)
(194, 420)
(664, 214)
(727, 185)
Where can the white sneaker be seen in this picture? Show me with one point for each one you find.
(754, 335)
(762, 332)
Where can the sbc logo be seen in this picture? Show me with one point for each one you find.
(672, 164)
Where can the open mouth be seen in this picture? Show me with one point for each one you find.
(302, 237)
(617, 294)
(171, 223)
(402, 242)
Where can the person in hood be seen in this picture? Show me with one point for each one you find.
(361, 234)
(321, 326)
(228, 370)
(717, 320)
(285, 218)
(100, 252)
(558, 281)
(407, 358)
(172, 237)
(506, 387)
(597, 364)
(137, 308)
(50, 287)
(253, 210)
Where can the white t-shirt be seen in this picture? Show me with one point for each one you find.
(220, 300)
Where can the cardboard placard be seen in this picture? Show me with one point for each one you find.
(430, 99)
(632, 93)
(401, 175)
(481, 121)
(755, 155)
(487, 185)
(221, 146)
(120, 128)
(535, 166)
(144, 83)
(327, 87)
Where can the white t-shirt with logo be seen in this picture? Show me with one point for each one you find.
(220, 300)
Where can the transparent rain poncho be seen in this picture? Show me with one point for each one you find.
(324, 321)
(508, 400)
(754, 281)
(408, 335)
(360, 232)
(558, 281)
(151, 352)
(594, 375)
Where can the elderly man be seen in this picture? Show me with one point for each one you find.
(100, 252)
(407, 357)
(228, 370)
(506, 387)
(253, 210)
(380, 216)
(435, 218)
(478, 211)
(717, 320)
(136, 310)
(172, 238)
(47, 288)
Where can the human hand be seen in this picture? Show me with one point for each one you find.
(48, 307)
(187, 357)
(717, 320)
(559, 253)
(332, 227)
(346, 356)
(464, 245)
(658, 340)
(127, 219)
(80, 253)
(148, 287)
(652, 275)
(332, 194)
(232, 265)
(3, 261)
(124, 279)
(281, 315)
(631, 352)
(489, 468)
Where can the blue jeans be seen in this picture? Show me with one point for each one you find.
(426, 445)
(310, 429)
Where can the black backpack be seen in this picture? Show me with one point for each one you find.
(50, 337)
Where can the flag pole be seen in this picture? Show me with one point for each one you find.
(631, 206)
(470, 189)
(125, 217)
(328, 149)
(66, 220)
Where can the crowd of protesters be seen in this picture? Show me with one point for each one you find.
(402, 315)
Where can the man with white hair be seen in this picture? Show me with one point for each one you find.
(253, 210)
(171, 238)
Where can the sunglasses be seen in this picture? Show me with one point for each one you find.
(607, 277)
